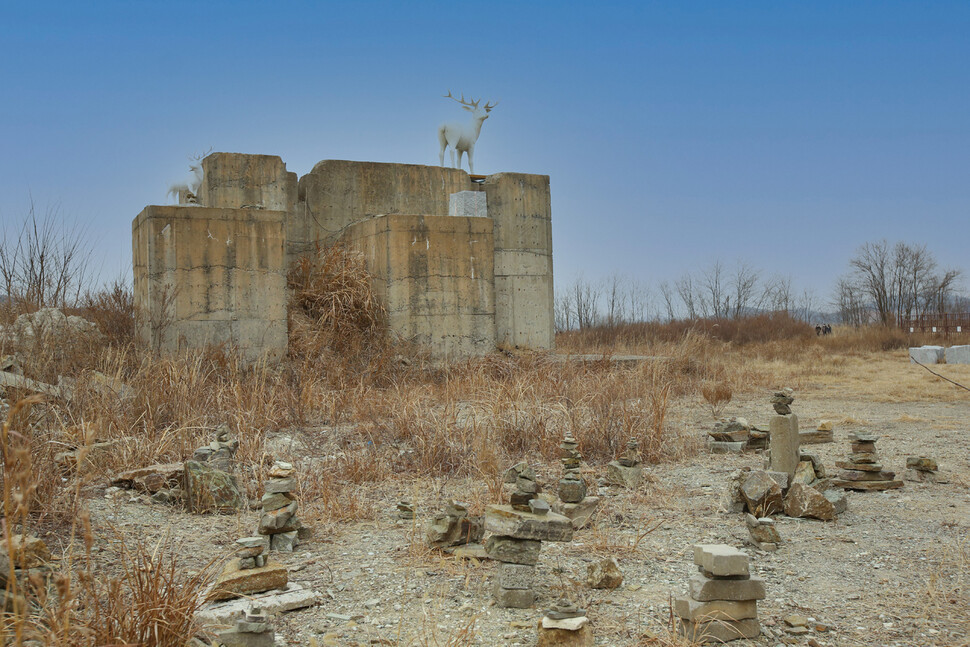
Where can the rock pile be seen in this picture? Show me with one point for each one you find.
(253, 629)
(729, 436)
(250, 571)
(454, 527)
(565, 625)
(923, 470)
(862, 471)
(626, 471)
(518, 532)
(572, 487)
(278, 520)
(207, 481)
(722, 605)
(762, 532)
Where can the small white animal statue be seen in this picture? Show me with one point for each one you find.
(190, 188)
(462, 137)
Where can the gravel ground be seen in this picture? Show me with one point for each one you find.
(888, 572)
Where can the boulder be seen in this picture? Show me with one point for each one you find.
(761, 493)
(804, 501)
(207, 489)
(623, 476)
(580, 513)
(804, 473)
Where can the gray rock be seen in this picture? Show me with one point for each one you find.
(623, 476)
(503, 520)
(604, 574)
(513, 551)
(514, 576)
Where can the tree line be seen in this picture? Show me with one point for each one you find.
(884, 284)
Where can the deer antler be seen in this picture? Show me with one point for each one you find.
(489, 106)
(470, 104)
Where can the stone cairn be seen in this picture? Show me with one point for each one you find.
(253, 629)
(783, 434)
(923, 470)
(251, 552)
(565, 625)
(208, 480)
(626, 471)
(518, 532)
(575, 504)
(572, 487)
(454, 527)
(249, 572)
(722, 605)
(279, 520)
(862, 471)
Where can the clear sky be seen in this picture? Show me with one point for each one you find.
(675, 133)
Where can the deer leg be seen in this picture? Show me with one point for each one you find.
(452, 158)
(460, 153)
(471, 163)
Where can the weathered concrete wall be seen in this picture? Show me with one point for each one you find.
(338, 193)
(520, 206)
(434, 275)
(208, 276)
(237, 180)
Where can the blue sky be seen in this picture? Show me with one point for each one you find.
(784, 134)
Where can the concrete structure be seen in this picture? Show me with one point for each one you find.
(520, 206)
(926, 355)
(434, 275)
(211, 276)
(957, 355)
(459, 271)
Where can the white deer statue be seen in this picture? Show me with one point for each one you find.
(462, 137)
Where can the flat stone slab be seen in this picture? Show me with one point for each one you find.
(705, 589)
(294, 596)
(867, 486)
(513, 551)
(689, 609)
(513, 598)
(860, 467)
(236, 582)
(721, 560)
(866, 475)
(816, 437)
(503, 520)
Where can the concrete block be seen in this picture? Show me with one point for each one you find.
(468, 204)
(241, 181)
(206, 276)
(926, 355)
(783, 447)
(721, 560)
(705, 589)
(434, 275)
(339, 193)
(519, 204)
(956, 355)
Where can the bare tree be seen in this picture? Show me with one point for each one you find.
(849, 301)
(745, 283)
(564, 311)
(667, 294)
(44, 262)
(872, 269)
(715, 300)
(585, 301)
(685, 290)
